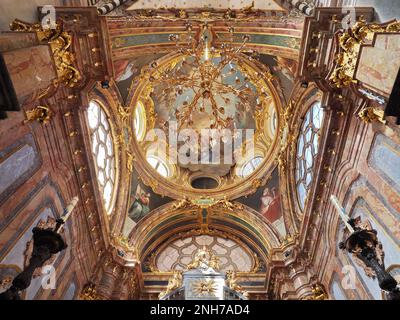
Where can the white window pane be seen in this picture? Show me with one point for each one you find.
(307, 148)
(103, 151)
(315, 143)
(104, 121)
(308, 179)
(101, 177)
(308, 134)
(109, 146)
(107, 193)
(308, 156)
(153, 162)
(162, 170)
(257, 161)
(102, 134)
(94, 143)
(101, 157)
(93, 115)
(302, 195)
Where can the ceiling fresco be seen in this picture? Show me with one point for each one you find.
(241, 217)
(142, 200)
(125, 70)
(267, 202)
(219, 4)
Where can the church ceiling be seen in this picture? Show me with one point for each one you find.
(216, 4)
(143, 35)
(160, 82)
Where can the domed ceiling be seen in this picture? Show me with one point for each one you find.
(210, 93)
(221, 102)
(204, 115)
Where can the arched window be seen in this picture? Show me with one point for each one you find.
(250, 166)
(103, 152)
(307, 149)
(140, 121)
(159, 165)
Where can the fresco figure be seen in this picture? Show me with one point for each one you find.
(270, 204)
(124, 70)
(140, 206)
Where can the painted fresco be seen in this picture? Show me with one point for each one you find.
(285, 71)
(168, 103)
(267, 202)
(379, 65)
(384, 156)
(126, 70)
(30, 69)
(142, 200)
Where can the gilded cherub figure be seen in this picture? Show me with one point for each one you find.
(174, 283)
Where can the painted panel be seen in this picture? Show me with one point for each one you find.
(17, 163)
(379, 65)
(70, 292)
(30, 69)
(271, 40)
(337, 291)
(267, 202)
(142, 201)
(385, 159)
(222, 4)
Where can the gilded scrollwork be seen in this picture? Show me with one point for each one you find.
(350, 43)
(318, 293)
(371, 114)
(232, 283)
(60, 42)
(89, 293)
(41, 114)
(174, 283)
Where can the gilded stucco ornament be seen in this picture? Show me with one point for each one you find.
(204, 258)
(130, 159)
(318, 293)
(206, 202)
(350, 43)
(89, 293)
(371, 114)
(124, 249)
(41, 114)
(204, 287)
(232, 283)
(174, 283)
(60, 43)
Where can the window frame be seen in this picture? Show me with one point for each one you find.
(111, 158)
(309, 139)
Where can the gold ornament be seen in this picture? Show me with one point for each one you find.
(350, 43)
(204, 287)
(371, 114)
(174, 283)
(60, 43)
(231, 282)
(41, 114)
(318, 293)
(89, 293)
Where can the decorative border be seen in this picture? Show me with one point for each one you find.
(8, 151)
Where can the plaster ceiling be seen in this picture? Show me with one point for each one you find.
(215, 4)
